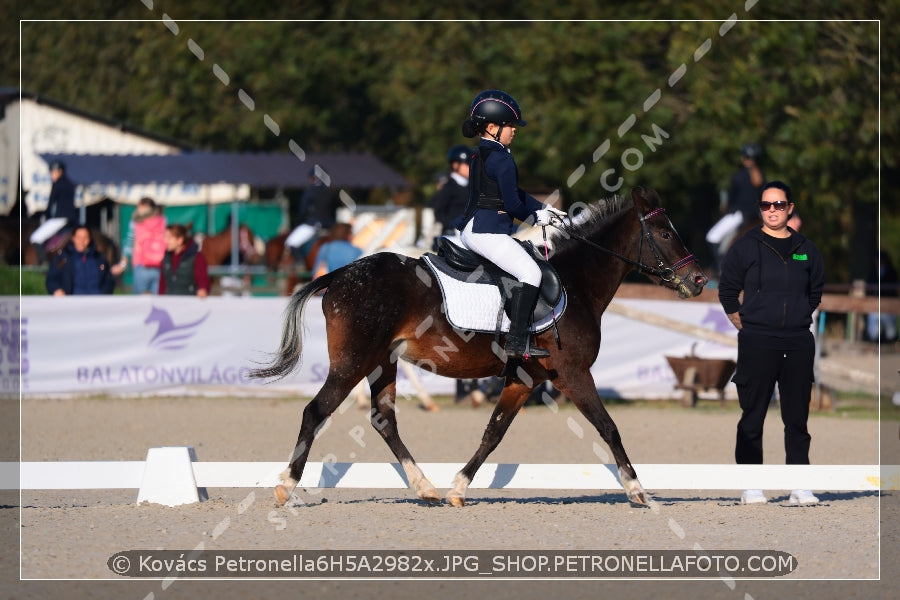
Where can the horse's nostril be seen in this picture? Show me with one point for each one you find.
(700, 280)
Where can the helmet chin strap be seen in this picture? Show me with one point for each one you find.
(499, 131)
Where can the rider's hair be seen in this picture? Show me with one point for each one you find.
(178, 230)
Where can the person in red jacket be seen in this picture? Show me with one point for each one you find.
(184, 270)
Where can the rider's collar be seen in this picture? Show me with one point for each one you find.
(492, 140)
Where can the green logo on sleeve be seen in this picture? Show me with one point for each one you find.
(799, 257)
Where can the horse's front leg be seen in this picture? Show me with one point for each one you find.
(511, 400)
(583, 393)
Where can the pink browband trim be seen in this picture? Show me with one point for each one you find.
(655, 211)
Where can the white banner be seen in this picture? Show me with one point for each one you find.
(171, 344)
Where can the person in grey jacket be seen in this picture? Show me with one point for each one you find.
(781, 274)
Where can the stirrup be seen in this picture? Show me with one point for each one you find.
(534, 351)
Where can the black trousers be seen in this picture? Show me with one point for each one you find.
(758, 370)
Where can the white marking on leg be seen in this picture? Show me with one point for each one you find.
(460, 486)
(633, 488)
(287, 481)
(417, 481)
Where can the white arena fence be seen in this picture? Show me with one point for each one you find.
(173, 476)
(176, 345)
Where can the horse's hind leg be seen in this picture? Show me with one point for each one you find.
(384, 392)
(511, 400)
(337, 387)
(584, 394)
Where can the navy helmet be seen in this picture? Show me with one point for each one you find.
(495, 106)
(459, 153)
(751, 151)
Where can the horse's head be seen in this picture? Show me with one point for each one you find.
(158, 315)
(661, 253)
(248, 244)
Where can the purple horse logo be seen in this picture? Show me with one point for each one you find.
(170, 336)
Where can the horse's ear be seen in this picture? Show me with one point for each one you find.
(644, 198)
(639, 197)
(190, 228)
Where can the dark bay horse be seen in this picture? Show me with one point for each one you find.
(386, 307)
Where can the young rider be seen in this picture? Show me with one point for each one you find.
(495, 200)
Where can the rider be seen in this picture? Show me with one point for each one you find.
(495, 199)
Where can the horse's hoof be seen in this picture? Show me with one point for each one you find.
(432, 407)
(457, 501)
(640, 498)
(430, 496)
(282, 494)
(477, 398)
(427, 492)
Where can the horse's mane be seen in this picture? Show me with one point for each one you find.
(589, 221)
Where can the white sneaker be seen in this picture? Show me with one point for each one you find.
(753, 497)
(803, 497)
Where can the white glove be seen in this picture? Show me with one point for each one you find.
(555, 211)
(542, 216)
(546, 215)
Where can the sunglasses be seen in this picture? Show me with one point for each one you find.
(780, 205)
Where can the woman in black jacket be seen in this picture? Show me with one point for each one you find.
(781, 274)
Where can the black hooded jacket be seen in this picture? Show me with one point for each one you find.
(780, 294)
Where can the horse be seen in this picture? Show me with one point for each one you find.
(385, 307)
(279, 257)
(216, 249)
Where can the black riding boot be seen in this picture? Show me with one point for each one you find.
(523, 298)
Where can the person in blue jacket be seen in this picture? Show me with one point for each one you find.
(79, 268)
(495, 201)
(781, 274)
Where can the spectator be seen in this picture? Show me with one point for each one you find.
(781, 274)
(79, 268)
(316, 206)
(338, 252)
(146, 245)
(184, 271)
(882, 281)
(449, 203)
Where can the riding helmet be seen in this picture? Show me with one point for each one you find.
(459, 153)
(495, 106)
(751, 151)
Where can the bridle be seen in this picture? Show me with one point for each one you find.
(667, 274)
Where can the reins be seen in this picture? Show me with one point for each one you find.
(663, 272)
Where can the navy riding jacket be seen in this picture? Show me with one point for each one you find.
(500, 167)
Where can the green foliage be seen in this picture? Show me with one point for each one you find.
(31, 282)
(807, 91)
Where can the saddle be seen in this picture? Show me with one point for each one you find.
(470, 267)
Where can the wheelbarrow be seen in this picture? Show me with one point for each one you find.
(694, 374)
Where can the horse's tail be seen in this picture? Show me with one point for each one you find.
(288, 356)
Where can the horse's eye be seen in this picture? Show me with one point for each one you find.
(665, 235)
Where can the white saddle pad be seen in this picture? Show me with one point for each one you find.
(474, 306)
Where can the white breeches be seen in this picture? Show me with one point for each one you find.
(503, 251)
(726, 225)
